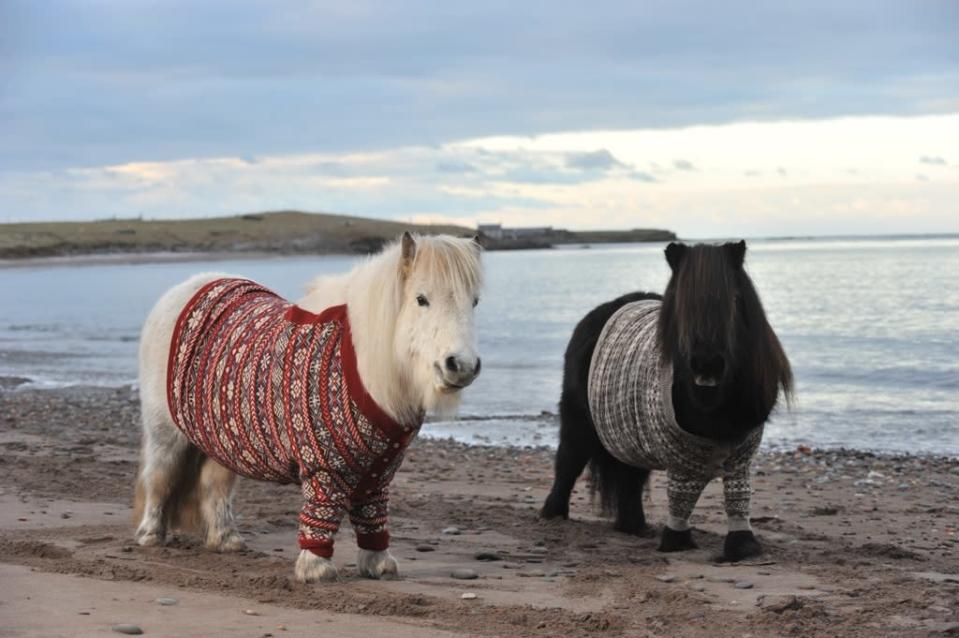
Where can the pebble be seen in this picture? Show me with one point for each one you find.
(743, 584)
(697, 587)
(487, 556)
(167, 602)
(425, 548)
(666, 578)
(721, 579)
(533, 573)
(251, 612)
(451, 530)
(539, 550)
(464, 574)
(126, 628)
(468, 596)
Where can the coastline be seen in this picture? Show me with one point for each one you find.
(857, 544)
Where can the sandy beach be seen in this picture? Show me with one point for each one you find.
(856, 545)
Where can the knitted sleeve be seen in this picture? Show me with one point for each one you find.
(737, 489)
(682, 492)
(737, 493)
(323, 509)
(368, 516)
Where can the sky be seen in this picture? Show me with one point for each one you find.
(710, 119)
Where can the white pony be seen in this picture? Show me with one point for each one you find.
(410, 313)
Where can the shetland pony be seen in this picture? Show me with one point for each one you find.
(728, 369)
(408, 314)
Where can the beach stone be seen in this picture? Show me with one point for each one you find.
(743, 584)
(697, 587)
(464, 574)
(779, 604)
(251, 612)
(533, 573)
(666, 578)
(425, 548)
(721, 579)
(468, 596)
(452, 530)
(487, 556)
(127, 628)
(539, 550)
(167, 602)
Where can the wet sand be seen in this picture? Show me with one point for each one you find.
(856, 545)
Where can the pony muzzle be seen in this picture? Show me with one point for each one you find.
(456, 373)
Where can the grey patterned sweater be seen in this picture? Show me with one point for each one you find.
(630, 400)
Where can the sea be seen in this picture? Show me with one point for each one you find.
(871, 326)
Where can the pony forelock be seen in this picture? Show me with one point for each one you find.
(454, 262)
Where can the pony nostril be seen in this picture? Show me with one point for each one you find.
(451, 364)
(479, 364)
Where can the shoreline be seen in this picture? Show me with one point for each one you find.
(17, 385)
(855, 545)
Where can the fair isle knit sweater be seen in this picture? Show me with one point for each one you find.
(272, 392)
(630, 400)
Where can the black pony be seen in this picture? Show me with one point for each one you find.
(728, 370)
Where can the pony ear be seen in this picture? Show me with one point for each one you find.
(736, 253)
(407, 253)
(674, 254)
(476, 242)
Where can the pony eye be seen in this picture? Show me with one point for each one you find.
(423, 301)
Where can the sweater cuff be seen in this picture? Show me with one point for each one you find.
(375, 542)
(321, 547)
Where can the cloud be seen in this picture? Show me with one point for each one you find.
(641, 176)
(94, 84)
(455, 166)
(934, 160)
(595, 160)
(529, 180)
(683, 165)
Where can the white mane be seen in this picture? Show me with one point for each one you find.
(374, 292)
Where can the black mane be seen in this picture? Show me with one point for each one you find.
(710, 303)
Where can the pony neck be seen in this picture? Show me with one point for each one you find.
(373, 293)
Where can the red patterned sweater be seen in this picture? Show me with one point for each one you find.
(272, 392)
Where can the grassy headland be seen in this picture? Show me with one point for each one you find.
(283, 232)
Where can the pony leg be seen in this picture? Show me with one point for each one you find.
(682, 493)
(577, 439)
(320, 519)
(165, 459)
(630, 517)
(369, 518)
(216, 507)
(740, 541)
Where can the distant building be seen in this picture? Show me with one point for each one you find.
(493, 231)
(530, 231)
(496, 231)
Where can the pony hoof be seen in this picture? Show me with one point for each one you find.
(740, 545)
(552, 509)
(231, 542)
(311, 568)
(673, 541)
(376, 565)
(150, 539)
